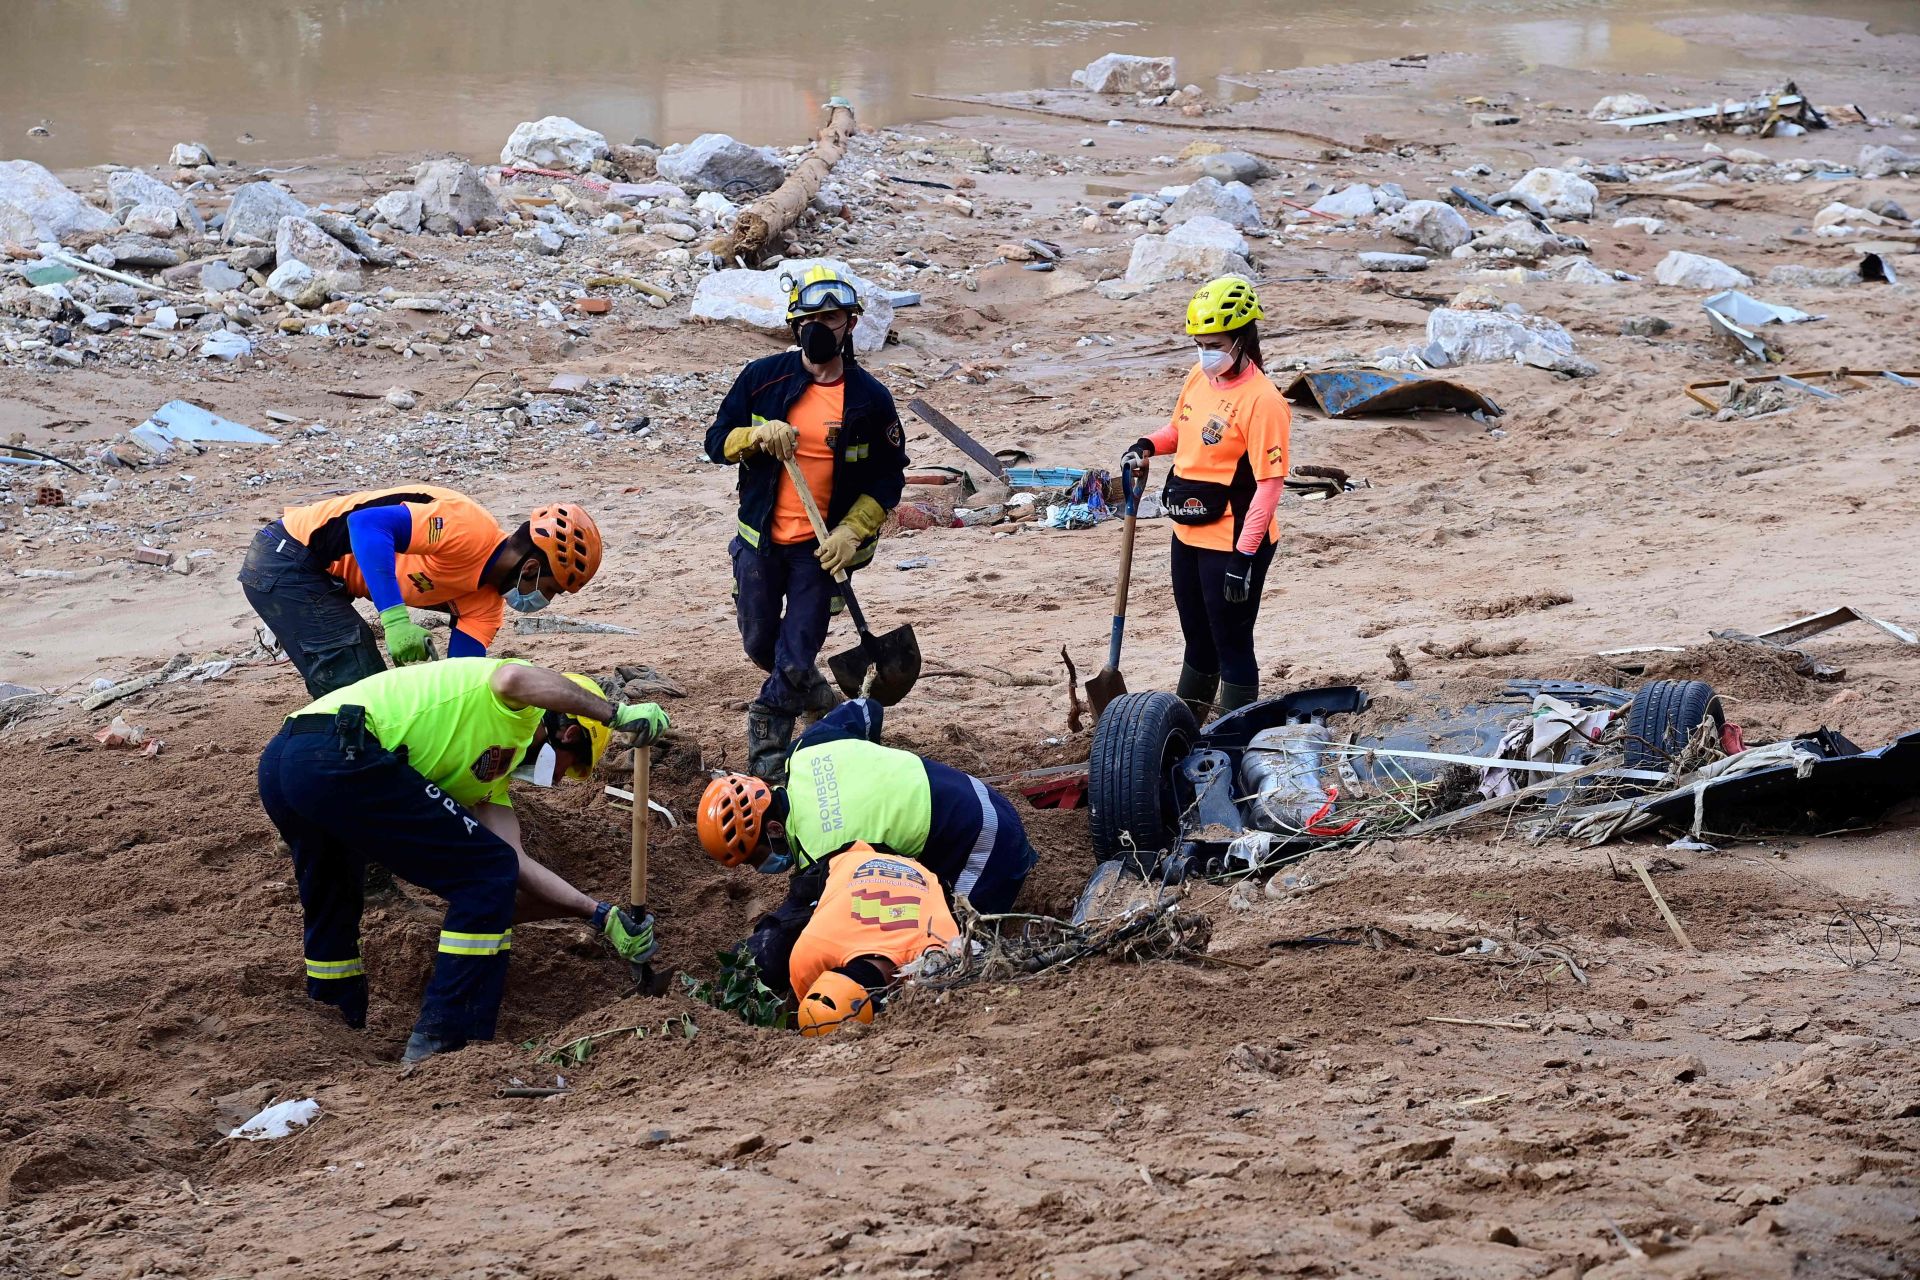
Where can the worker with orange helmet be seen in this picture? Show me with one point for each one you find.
(878, 914)
(417, 546)
(409, 769)
(847, 788)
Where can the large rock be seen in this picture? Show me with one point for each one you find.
(401, 210)
(255, 211)
(36, 206)
(1458, 337)
(1519, 239)
(554, 142)
(1883, 162)
(152, 219)
(332, 267)
(1392, 262)
(355, 237)
(1696, 271)
(1128, 73)
(1230, 202)
(1198, 249)
(1618, 106)
(759, 299)
(715, 162)
(140, 251)
(1352, 201)
(1429, 224)
(1561, 194)
(454, 200)
(1232, 166)
(129, 187)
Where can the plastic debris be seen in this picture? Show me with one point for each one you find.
(1737, 315)
(1353, 393)
(278, 1121)
(182, 420)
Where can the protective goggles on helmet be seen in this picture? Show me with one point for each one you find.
(825, 295)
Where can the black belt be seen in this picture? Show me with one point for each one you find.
(349, 723)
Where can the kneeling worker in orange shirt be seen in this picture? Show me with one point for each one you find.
(879, 913)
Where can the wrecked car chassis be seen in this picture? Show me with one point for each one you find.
(1272, 781)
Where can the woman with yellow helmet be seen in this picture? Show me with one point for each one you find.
(1228, 438)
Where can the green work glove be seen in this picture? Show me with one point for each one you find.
(631, 936)
(837, 552)
(406, 639)
(777, 438)
(644, 720)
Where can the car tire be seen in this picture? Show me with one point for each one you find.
(1133, 813)
(1662, 717)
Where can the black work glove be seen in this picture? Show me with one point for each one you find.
(1238, 583)
(1137, 452)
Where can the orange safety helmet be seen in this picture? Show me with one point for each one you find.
(833, 998)
(570, 540)
(733, 817)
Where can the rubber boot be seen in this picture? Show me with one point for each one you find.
(1197, 690)
(1234, 696)
(421, 1046)
(769, 733)
(818, 697)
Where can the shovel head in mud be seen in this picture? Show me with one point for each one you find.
(1114, 890)
(1103, 687)
(882, 667)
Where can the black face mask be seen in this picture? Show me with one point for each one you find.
(818, 343)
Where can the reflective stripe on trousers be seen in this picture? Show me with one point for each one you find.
(335, 968)
(475, 944)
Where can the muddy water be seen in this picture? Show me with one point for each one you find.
(275, 80)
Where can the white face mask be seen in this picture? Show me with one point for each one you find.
(539, 770)
(1214, 362)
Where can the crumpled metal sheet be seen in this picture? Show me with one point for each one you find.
(1352, 393)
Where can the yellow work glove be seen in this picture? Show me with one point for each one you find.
(837, 552)
(865, 517)
(776, 439)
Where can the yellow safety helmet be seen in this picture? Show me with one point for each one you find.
(1222, 305)
(820, 289)
(598, 734)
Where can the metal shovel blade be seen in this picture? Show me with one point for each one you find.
(1103, 687)
(881, 667)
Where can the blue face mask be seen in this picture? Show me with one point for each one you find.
(526, 601)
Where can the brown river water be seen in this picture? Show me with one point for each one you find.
(271, 81)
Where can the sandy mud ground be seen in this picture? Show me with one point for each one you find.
(1749, 1110)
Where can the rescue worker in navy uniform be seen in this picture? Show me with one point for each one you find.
(818, 407)
(845, 787)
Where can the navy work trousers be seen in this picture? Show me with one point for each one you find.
(340, 800)
(310, 611)
(784, 600)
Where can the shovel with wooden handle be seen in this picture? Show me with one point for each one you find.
(642, 971)
(1108, 684)
(884, 667)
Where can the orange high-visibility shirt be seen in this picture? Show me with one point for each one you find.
(1221, 428)
(816, 416)
(452, 541)
(875, 904)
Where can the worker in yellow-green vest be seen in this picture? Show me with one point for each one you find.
(844, 788)
(409, 768)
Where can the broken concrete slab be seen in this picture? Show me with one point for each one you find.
(759, 298)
